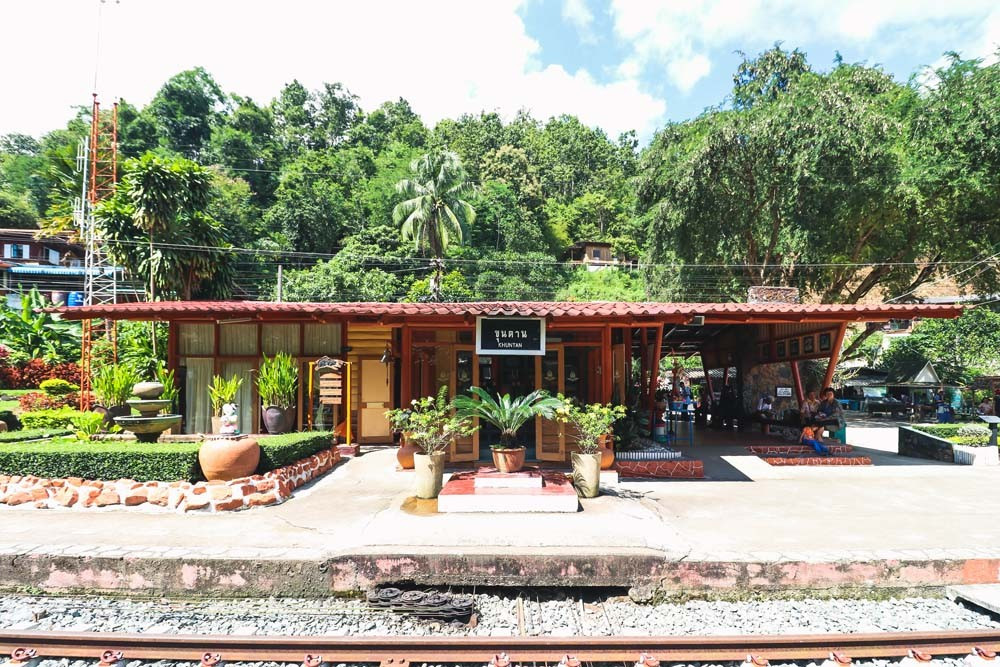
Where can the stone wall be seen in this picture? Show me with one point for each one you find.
(270, 488)
(763, 379)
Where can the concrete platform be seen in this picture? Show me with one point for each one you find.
(985, 596)
(899, 523)
(531, 491)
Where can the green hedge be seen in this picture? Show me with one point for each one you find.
(33, 434)
(973, 435)
(143, 462)
(940, 430)
(55, 418)
(277, 451)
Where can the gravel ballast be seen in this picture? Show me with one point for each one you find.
(497, 617)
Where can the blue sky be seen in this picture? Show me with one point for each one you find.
(617, 64)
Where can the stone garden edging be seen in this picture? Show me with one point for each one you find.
(271, 488)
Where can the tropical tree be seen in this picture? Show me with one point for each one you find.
(163, 202)
(434, 213)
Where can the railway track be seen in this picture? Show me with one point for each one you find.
(479, 650)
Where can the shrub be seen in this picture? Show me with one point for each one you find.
(973, 431)
(88, 424)
(971, 440)
(58, 418)
(33, 434)
(58, 387)
(36, 400)
(166, 462)
(113, 384)
(277, 451)
(940, 430)
(30, 374)
(9, 418)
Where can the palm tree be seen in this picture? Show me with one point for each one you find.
(434, 213)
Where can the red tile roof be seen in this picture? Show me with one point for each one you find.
(678, 312)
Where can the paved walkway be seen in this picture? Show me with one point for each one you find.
(746, 511)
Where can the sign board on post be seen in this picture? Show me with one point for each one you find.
(331, 380)
(510, 335)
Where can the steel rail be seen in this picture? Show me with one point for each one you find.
(481, 649)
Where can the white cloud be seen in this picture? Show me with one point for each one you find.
(578, 13)
(446, 58)
(675, 35)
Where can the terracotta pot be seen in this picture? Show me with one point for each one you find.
(607, 452)
(217, 425)
(586, 474)
(508, 460)
(405, 453)
(228, 459)
(429, 474)
(274, 419)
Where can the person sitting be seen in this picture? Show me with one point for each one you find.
(809, 407)
(765, 408)
(985, 407)
(829, 414)
(809, 437)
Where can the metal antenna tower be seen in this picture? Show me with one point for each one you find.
(97, 158)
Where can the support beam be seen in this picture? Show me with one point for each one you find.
(406, 366)
(798, 382)
(655, 375)
(834, 355)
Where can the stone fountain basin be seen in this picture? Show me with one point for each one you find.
(148, 429)
(149, 407)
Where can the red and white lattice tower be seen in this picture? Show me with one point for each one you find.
(97, 158)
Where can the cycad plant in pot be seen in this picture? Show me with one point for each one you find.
(592, 423)
(433, 424)
(222, 392)
(509, 415)
(277, 380)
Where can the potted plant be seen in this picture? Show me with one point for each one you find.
(276, 382)
(113, 385)
(592, 423)
(222, 392)
(508, 415)
(399, 420)
(433, 425)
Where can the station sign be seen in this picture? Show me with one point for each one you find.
(510, 335)
(330, 375)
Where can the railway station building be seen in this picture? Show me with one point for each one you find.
(591, 351)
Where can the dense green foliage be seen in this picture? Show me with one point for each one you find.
(55, 418)
(959, 349)
(142, 462)
(847, 183)
(28, 333)
(277, 451)
(972, 435)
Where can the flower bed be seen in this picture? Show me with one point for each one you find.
(966, 444)
(271, 488)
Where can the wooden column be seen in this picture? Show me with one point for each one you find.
(798, 382)
(406, 366)
(708, 379)
(607, 372)
(834, 355)
(655, 374)
(627, 339)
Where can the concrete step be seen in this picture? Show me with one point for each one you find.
(986, 596)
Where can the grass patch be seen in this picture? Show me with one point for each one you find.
(33, 434)
(69, 457)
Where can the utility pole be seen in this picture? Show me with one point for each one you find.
(279, 283)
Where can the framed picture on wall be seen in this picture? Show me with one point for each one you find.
(793, 347)
(783, 392)
(808, 345)
(780, 349)
(825, 342)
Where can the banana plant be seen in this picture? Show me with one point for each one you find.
(39, 335)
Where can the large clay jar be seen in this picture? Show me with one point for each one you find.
(228, 459)
(508, 460)
(429, 473)
(586, 474)
(274, 420)
(607, 452)
(405, 453)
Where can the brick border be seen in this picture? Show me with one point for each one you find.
(782, 450)
(667, 469)
(271, 488)
(817, 460)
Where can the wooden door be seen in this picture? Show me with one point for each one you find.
(465, 374)
(376, 398)
(550, 435)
